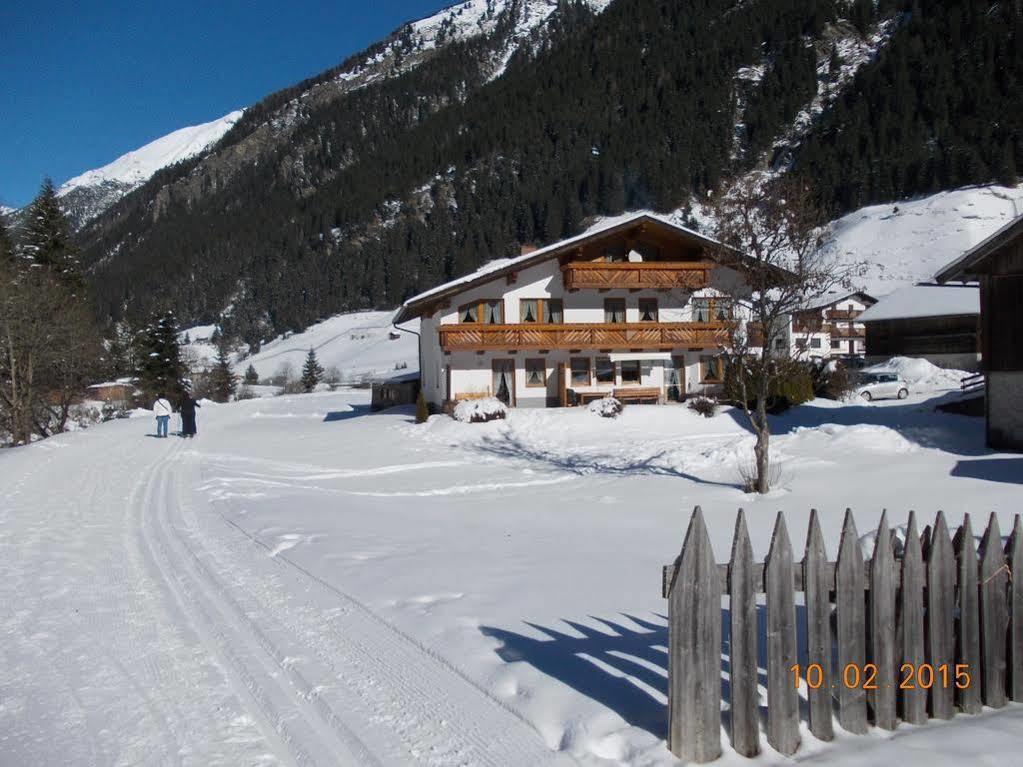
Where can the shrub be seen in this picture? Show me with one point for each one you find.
(792, 384)
(608, 407)
(244, 393)
(834, 381)
(705, 406)
(422, 411)
(747, 470)
(480, 410)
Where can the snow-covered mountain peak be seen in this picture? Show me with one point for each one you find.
(136, 167)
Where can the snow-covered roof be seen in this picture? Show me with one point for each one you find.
(925, 301)
(833, 297)
(497, 267)
(964, 267)
(118, 382)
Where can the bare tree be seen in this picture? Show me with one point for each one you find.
(776, 236)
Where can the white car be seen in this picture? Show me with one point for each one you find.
(878, 384)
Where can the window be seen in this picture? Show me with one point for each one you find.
(580, 367)
(614, 310)
(536, 372)
(836, 344)
(487, 311)
(712, 369)
(800, 343)
(631, 372)
(605, 370)
(553, 313)
(648, 310)
(815, 343)
(712, 309)
(547, 310)
(779, 343)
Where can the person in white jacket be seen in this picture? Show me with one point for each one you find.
(162, 410)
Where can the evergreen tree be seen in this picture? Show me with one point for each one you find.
(251, 376)
(47, 239)
(311, 371)
(160, 368)
(223, 381)
(6, 247)
(422, 409)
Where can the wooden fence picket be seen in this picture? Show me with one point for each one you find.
(694, 658)
(818, 629)
(882, 627)
(782, 696)
(911, 621)
(993, 580)
(919, 630)
(852, 703)
(1014, 557)
(968, 630)
(940, 614)
(743, 685)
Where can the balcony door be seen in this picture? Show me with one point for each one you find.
(675, 380)
(504, 381)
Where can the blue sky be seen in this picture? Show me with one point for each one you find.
(83, 82)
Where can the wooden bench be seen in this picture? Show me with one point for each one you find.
(638, 394)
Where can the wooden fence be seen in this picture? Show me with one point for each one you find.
(923, 629)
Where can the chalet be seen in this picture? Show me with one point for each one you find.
(120, 393)
(829, 326)
(935, 322)
(998, 263)
(636, 306)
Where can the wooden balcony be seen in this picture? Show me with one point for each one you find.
(661, 275)
(842, 314)
(633, 335)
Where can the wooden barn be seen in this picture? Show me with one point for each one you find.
(938, 323)
(998, 263)
(399, 390)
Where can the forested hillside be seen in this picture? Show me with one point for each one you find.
(360, 187)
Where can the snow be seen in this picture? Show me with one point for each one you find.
(359, 345)
(606, 407)
(309, 582)
(925, 301)
(136, 167)
(908, 241)
(480, 410)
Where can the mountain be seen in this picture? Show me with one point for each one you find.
(497, 123)
(86, 196)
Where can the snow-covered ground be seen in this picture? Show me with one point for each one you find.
(307, 583)
(358, 345)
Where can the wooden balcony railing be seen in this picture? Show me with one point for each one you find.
(599, 275)
(843, 314)
(633, 335)
(850, 332)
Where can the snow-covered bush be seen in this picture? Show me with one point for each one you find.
(480, 410)
(705, 406)
(608, 407)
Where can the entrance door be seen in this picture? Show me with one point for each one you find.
(504, 381)
(675, 380)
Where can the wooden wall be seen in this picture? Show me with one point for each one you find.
(923, 335)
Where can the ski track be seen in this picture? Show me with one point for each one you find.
(159, 631)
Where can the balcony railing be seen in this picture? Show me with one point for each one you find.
(632, 335)
(599, 275)
(843, 314)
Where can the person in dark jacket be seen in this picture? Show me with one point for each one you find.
(188, 406)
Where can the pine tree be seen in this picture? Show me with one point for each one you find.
(251, 376)
(223, 381)
(6, 246)
(311, 371)
(47, 239)
(160, 369)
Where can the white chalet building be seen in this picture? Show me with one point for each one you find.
(635, 306)
(829, 326)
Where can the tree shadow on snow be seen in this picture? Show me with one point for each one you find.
(918, 423)
(510, 446)
(626, 669)
(1009, 470)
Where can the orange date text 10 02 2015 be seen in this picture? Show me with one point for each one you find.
(864, 677)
